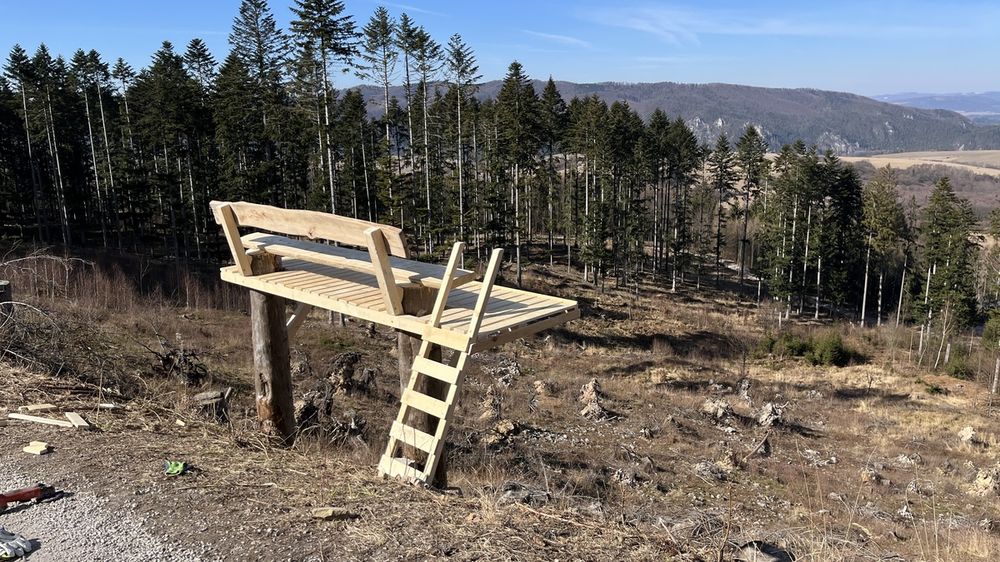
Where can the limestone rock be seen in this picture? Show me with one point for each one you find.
(769, 415)
(717, 408)
(591, 392)
(491, 404)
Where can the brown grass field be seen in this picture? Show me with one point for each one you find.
(984, 162)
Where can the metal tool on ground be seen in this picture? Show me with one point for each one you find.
(13, 546)
(38, 492)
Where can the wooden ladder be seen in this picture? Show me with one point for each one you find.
(393, 463)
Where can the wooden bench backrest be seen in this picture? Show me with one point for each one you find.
(311, 224)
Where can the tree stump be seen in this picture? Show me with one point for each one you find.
(272, 369)
(6, 306)
(418, 301)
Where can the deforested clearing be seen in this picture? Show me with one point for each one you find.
(830, 463)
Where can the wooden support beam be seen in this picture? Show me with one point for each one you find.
(383, 271)
(298, 317)
(484, 294)
(229, 227)
(272, 370)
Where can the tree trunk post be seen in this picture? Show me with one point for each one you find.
(272, 370)
(6, 298)
(418, 301)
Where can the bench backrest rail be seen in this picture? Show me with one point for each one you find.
(309, 224)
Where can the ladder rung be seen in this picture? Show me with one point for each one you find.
(394, 466)
(425, 403)
(440, 371)
(447, 338)
(413, 437)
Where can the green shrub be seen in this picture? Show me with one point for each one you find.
(960, 368)
(829, 349)
(791, 345)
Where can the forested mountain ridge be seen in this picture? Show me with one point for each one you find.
(843, 122)
(982, 108)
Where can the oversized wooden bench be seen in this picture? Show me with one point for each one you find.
(376, 284)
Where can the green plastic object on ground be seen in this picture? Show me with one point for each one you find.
(174, 468)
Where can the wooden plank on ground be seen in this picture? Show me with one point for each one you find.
(77, 420)
(38, 408)
(39, 419)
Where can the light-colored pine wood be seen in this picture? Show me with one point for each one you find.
(39, 419)
(404, 270)
(313, 225)
(224, 214)
(398, 468)
(77, 420)
(484, 294)
(379, 286)
(412, 437)
(488, 340)
(424, 403)
(391, 294)
(431, 368)
(38, 408)
(298, 317)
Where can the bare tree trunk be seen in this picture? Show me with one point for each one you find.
(944, 336)
(864, 293)
(427, 170)
(272, 371)
(819, 270)
(878, 320)
(517, 220)
(60, 188)
(902, 284)
(97, 176)
(35, 192)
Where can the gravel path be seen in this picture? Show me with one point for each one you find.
(82, 527)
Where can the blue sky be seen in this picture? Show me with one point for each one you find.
(864, 47)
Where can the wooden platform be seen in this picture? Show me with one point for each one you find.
(510, 313)
(380, 285)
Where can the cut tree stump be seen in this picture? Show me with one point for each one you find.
(6, 304)
(272, 369)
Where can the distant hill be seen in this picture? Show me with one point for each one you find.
(981, 107)
(846, 123)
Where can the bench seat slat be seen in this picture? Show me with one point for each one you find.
(405, 271)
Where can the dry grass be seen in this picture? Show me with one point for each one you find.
(983, 162)
(626, 488)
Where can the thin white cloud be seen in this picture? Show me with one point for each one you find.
(561, 39)
(681, 25)
(411, 8)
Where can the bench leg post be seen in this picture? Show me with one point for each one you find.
(272, 370)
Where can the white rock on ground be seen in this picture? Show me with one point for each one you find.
(82, 527)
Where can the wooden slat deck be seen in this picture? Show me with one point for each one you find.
(510, 313)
